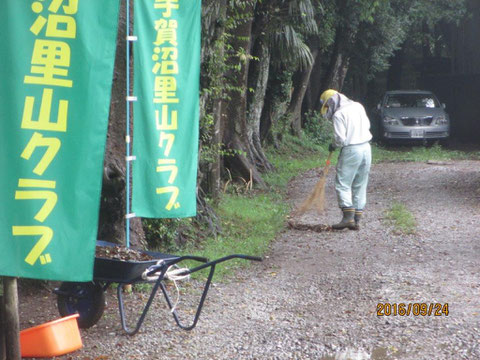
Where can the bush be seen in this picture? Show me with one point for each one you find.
(162, 233)
(317, 128)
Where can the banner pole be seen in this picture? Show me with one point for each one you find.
(127, 145)
(10, 319)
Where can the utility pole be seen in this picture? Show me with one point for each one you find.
(10, 319)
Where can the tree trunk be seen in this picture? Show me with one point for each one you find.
(337, 71)
(213, 53)
(258, 82)
(339, 61)
(275, 107)
(216, 169)
(11, 319)
(300, 83)
(111, 225)
(395, 71)
(314, 88)
(235, 128)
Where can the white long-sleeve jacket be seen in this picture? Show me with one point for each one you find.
(351, 124)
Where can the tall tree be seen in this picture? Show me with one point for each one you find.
(212, 93)
(258, 80)
(300, 26)
(377, 42)
(235, 127)
(350, 15)
(281, 33)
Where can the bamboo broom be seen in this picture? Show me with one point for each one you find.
(317, 196)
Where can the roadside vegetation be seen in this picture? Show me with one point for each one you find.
(418, 153)
(402, 219)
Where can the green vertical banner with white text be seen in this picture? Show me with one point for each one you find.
(56, 69)
(166, 84)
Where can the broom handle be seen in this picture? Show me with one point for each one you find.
(327, 163)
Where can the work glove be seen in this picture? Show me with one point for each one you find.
(331, 147)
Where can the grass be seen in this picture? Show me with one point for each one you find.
(294, 157)
(419, 154)
(249, 224)
(402, 219)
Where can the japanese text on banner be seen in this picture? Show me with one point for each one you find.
(167, 74)
(50, 62)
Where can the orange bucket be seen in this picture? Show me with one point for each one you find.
(51, 339)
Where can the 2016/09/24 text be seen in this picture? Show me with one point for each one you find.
(415, 309)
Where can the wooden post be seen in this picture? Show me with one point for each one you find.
(2, 332)
(11, 321)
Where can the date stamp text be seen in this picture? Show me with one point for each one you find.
(415, 309)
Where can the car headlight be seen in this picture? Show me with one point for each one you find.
(387, 120)
(441, 120)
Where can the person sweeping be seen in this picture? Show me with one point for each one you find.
(351, 128)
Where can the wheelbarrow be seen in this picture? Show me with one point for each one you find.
(88, 298)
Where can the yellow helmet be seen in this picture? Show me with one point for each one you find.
(327, 94)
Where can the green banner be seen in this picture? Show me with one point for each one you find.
(165, 138)
(56, 68)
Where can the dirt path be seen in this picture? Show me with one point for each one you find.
(316, 295)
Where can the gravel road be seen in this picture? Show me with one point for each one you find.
(316, 295)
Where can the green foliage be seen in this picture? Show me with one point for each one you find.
(293, 157)
(289, 44)
(378, 39)
(217, 62)
(402, 219)
(163, 233)
(377, 28)
(425, 15)
(433, 11)
(326, 20)
(419, 154)
(249, 224)
(317, 128)
(211, 151)
(289, 24)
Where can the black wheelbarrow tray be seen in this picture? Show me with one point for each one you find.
(88, 298)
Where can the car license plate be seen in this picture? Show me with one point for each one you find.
(417, 133)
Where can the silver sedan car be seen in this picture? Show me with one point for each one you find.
(412, 115)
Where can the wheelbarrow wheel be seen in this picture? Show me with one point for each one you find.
(86, 299)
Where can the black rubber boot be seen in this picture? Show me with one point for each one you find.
(347, 220)
(357, 218)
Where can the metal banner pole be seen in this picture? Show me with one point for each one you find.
(127, 138)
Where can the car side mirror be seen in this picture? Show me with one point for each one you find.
(378, 106)
(444, 106)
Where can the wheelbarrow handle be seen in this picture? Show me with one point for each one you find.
(220, 260)
(158, 268)
(211, 265)
(152, 270)
(162, 269)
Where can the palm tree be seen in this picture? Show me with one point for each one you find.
(282, 28)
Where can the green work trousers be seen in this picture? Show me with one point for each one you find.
(353, 168)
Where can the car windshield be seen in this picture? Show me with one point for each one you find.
(411, 101)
